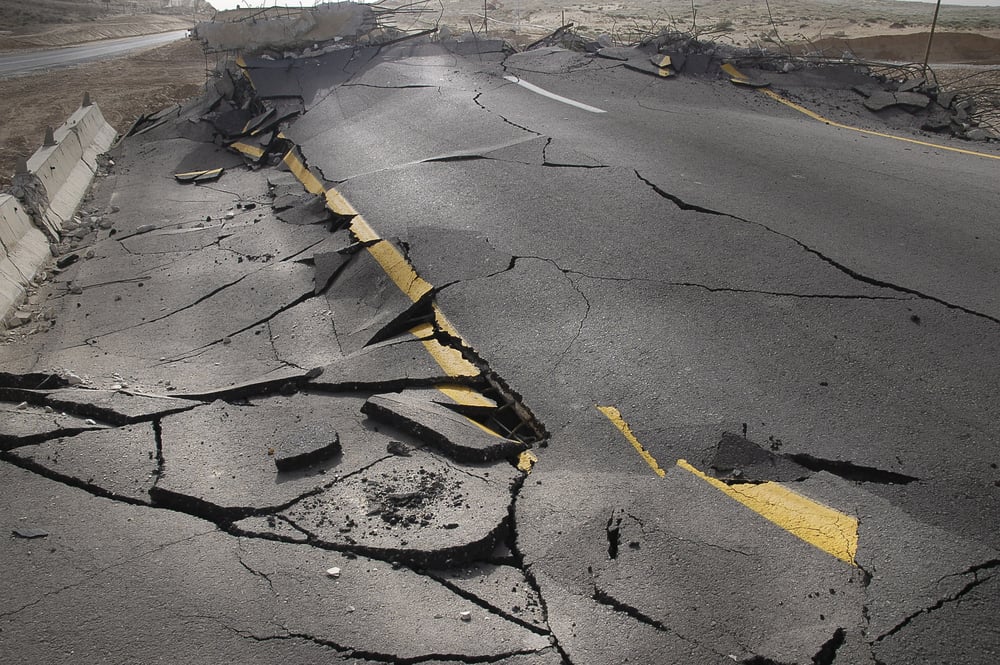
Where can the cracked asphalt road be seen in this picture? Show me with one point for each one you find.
(272, 446)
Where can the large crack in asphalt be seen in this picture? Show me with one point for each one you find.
(976, 580)
(383, 657)
(602, 597)
(847, 270)
(478, 103)
(226, 518)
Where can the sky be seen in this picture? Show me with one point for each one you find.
(230, 4)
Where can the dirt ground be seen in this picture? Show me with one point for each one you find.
(124, 89)
(127, 87)
(740, 22)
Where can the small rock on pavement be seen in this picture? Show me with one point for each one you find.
(29, 532)
(333, 572)
(146, 228)
(72, 379)
(398, 448)
(465, 616)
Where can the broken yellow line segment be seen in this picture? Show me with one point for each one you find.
(821, 526)
(615, 416)
(247, 149)
(415, 287)
(735, 73)
(815, 523)
(392, 261)
(405, 277)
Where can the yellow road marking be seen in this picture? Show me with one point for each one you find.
(395, 265)
(415, 287)
(338, 204)
(247, 149)
(466, 396)
(526, 461)
(304, 175)
(733, 72)
(242, 64)
(821, 526)
(450, 359)
(615, 416)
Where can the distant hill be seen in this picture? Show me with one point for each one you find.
(15, 14)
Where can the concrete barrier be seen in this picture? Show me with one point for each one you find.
(65, 170)
(23, 250)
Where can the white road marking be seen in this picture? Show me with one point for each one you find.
(552, 95)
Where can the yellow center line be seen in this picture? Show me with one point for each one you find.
(819, 525)
(526, 461)
(448, 358)
(393, 263)
(733, 72)
(399, 270)
(815, 523)
(615, 416)
(466, 396)
(338, 204)
(304, 175)
(247, 149)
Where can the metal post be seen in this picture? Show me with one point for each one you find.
(930, 38)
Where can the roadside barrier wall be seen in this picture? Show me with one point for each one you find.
(65, 170)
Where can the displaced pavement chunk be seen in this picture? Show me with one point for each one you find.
(455, 435)
(119, 463)
(219, 459)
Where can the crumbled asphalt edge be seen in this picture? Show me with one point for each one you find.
(27, 387)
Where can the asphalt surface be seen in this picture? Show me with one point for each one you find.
(22, 62)
(750, 353)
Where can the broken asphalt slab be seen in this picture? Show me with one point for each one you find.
(114, 406)
(621, 543)
(25, 424)
(120, 463)
(416, 508)
(504, 588)
(366, 304)
(219, 460)
(258, 601)
(881, 99)
(454, 435)
(394, 364)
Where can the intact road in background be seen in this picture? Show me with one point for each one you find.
(19, 62)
